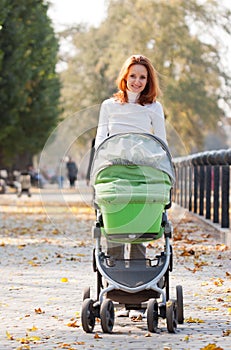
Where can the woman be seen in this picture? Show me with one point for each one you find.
(133, 108)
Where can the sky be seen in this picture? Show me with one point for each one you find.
(63, 12)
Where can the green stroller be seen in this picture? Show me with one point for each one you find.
(132, 175)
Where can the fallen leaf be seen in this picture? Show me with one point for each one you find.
(9, 336)
(211, 308)
(147, 335)
(64, 279)
(39, 311)
(226, 333)
(33, 329)
(194, 320)
(204, 283)
(97, 336)
(218, 282)
(211, 347)
(73, 324)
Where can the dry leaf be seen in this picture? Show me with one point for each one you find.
(33, 329)
(73, 324)
(39, 311)
(211, 347)
(147, 335)
(97, 336)
(226, 333)
(194, 320)
(218, 282)
(211, 308)
(204, 283)
(9, 336)
(64, 279)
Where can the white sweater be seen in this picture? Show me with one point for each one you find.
(115, 118)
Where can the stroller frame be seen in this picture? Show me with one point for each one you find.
(125, 287)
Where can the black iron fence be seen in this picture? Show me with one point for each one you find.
(203, 185)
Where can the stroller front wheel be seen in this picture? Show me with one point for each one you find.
(88, 316)
(107, 316)
(152, 315)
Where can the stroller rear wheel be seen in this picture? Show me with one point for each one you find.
(152, 315)
(88, 316)
(171, 315)
(180, 304)
(107, 316)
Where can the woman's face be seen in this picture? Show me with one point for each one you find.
(137, 78)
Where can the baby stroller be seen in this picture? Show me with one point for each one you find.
(132, 175)
(24, 184)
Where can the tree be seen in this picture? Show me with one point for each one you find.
(29, 85)
(172, 35)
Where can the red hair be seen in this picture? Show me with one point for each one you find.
(151, 90)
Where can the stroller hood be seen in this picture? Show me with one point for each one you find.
(132, 149)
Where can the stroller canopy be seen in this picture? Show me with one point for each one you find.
(132, 149)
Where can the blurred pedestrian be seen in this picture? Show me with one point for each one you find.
(72, 172)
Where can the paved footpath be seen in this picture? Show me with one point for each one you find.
(46, 250)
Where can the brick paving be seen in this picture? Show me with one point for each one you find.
(46, 250)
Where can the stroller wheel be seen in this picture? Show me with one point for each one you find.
(86, 293)
(171, 315)
(152, 315)
(88, 316)
(180, 304)
(107, 316)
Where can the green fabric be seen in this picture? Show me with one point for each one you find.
(120, 184)
(132, 200)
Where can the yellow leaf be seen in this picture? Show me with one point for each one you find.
(211, 347)
(204, 283)
(9, 336)
(72, 324)
(147, 335)
(34, 338)
(210, 308)
(23, 340)
(64, 279)
(229, 310)
(33, 329)
(194, 320)
(32, 263)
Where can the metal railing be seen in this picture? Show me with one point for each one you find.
(203, 185)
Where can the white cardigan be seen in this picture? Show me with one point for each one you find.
(115, 118)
